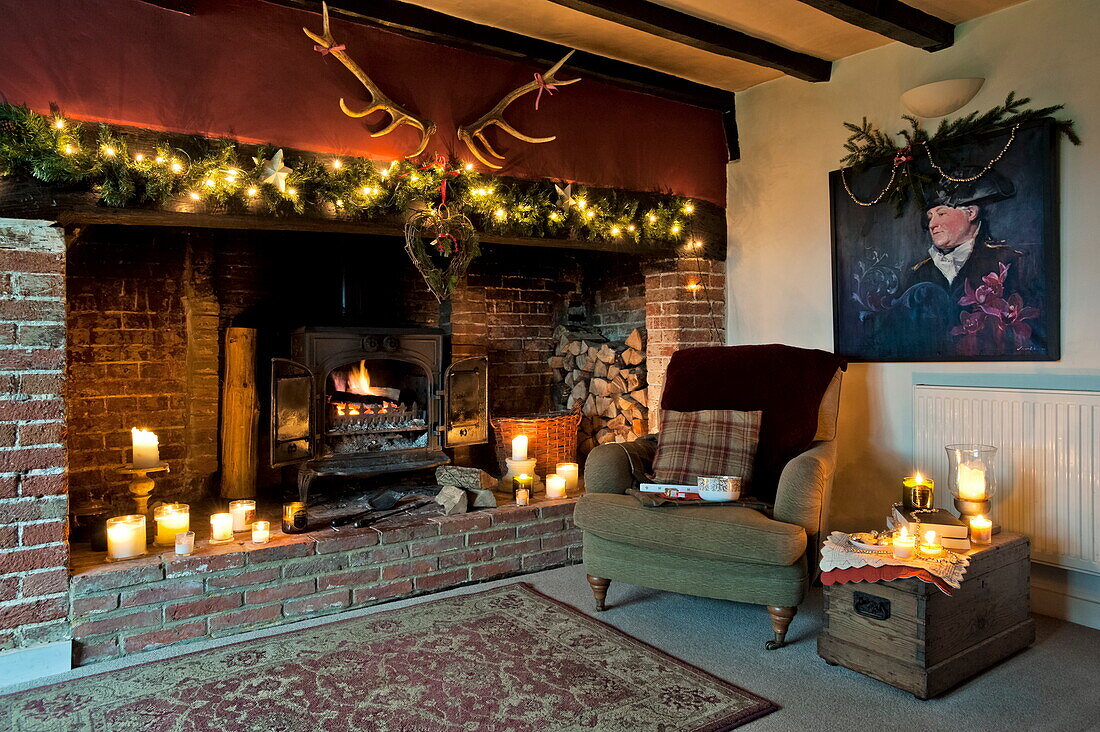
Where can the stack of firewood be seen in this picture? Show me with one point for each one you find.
(606, 380)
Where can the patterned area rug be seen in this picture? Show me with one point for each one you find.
(504, 659)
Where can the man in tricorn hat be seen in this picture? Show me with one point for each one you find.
(962, 248)
(947, 298)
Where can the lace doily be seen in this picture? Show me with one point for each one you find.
(838, 553)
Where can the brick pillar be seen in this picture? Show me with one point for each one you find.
(685, 305)
(34, 553)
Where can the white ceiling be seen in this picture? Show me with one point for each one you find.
(789, 23)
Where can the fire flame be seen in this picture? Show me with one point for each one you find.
(355, 381)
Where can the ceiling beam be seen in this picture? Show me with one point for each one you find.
(702, 34)
(892, 19)
(422, 23)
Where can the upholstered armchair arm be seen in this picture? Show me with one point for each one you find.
(614, 467)
(804, 487)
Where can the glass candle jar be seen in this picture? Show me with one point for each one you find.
(244, 513)
(523, 481)
(555, 486)
(126, 537)
(261, 532)
(918, 492)
(221, 528)
(185, 543)
(295, 518)
(172, 519)
(571, 473)
(971, 478)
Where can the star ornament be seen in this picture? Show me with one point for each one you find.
(565, 195)
(273, 171)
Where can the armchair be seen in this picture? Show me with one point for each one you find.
(726, 552)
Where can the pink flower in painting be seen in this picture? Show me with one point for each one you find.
(1014, 315)
(970, 324)
(989, 296)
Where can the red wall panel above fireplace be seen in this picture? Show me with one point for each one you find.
(244, 69)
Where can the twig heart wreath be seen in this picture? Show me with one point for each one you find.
(869, 145)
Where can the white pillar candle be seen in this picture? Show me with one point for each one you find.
(146, 448)
(571, 473)
(172, 519)
(971, 483)
(261, 532)
(125, 536)
(185, 543)
(904, 544)
(519, 447)
(221, 528)
(981, 530)
(555, 486)
(244, 513)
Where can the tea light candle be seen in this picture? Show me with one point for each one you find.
(185, 542)
(571, 473)
(981, 530)
(261, 532)
(904, 544)
(930, 546)
(971, 483)
(555, 486)
(244, 513)
(146, 448)
(221, 528)
(519, 447)
(523, 496)
(172, 519)
(523, 481)
(125, 536)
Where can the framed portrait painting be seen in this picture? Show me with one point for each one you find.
(968, 271)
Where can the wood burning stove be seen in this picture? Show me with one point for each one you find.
(361, 402)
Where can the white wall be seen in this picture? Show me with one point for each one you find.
(780, 287)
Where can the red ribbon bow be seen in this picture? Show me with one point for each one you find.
(326, 50)
(904, 155)
(441, 161)
(542, 85)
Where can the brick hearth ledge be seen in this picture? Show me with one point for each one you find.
(164, 599)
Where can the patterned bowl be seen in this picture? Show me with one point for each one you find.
(720, 487)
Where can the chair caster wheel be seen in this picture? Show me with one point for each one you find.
(773, 645)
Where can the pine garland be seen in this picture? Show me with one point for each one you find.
(63, 153)
(869, 145)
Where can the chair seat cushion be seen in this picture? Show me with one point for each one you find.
(729, 533)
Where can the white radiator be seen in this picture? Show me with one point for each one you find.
(1048, 461)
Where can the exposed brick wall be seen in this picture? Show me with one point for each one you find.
(166, 600)
(508, 306)
(685, 307)
(618, 297)
(33, 499)
(128, 358)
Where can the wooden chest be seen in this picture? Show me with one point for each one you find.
(908, 634)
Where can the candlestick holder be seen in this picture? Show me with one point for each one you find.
(141, 485)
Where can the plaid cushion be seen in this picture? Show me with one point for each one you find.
(706, 442)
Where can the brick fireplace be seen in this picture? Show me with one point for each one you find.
(107, 327)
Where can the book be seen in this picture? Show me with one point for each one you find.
(942, 522)
(671, 490)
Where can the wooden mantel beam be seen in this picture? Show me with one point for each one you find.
(702, 34)
(892, 19)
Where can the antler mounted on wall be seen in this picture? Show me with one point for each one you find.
(473, 133)
(398, 115)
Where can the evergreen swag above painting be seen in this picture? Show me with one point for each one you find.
(63, 154)
(869, 145)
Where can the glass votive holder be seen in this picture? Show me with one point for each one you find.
(523, 496)
(244, 513)
(185, 543)
(125, 537)
(171, 519)
(918, 492)
(555, 486)
(221, 528)
(571, 473)
(523, 481)
(295, 518)
(261, 532)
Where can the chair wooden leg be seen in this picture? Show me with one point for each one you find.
(781, 620)
(599, 590)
